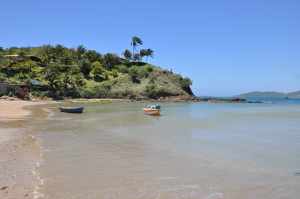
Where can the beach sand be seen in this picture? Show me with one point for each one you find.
(19, 152)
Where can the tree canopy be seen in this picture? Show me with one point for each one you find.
(81, 72)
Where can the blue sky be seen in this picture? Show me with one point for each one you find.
(225, 46)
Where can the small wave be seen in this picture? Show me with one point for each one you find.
(217, 195)
(168, 178)
(40, 182)
(297, 173)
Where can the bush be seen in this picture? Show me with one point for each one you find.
(114, 73)
(3, 77)
(98, 72)
(149, 69)
(134, 74)
(155, 92)
(97, 91)
(122, 68)
(110, 60)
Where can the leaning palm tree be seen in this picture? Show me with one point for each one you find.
(135, 41)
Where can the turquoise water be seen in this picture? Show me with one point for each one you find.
(194, 150)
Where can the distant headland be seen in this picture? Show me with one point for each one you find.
(270, 94)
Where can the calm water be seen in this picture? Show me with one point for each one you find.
(193, 151)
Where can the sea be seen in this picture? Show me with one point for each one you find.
(192, 151)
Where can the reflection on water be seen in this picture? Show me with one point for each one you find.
(193, 151)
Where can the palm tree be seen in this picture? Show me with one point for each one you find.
(135, 41)
(143, 53)
(149, 53)
(127, 54)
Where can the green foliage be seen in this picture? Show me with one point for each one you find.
(149, 69)
(138, 72)
(185, 82)
(134, 74)
(79, 72)
(97, 90)
(114, 73)
(154, 92)
(3, 77)
(98, 72)
(80, 51)
(63, 80)
(122, 68)
(127, 54)
(137, 57)
(135, 41)
(110, 60)
(85, 67)
(146, 53)
(93, 56)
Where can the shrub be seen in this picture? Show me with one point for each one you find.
(110, 60)
(134, 74)
(149, 69)
(122, 68)
(114, 73)
(97, 91)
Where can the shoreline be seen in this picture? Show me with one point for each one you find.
(171, 99)
(19, 150)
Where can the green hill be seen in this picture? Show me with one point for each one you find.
(58, 72)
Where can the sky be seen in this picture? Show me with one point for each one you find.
(226, 47)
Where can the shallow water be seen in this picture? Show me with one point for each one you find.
(194, 150)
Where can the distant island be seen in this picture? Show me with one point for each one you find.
(60, 72)
(270, 94)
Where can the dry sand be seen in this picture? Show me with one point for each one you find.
(19, 152)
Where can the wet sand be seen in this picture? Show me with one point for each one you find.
(19, 151)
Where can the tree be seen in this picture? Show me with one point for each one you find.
(143, 53)
(93, 56)
(98, 71)
(149, 53)
(54, 76)
(63, 80)
(85, 67)
(137, 57)
(80, 51)
(127, 54)
(146, 53)
(110, 60)
(135, 41)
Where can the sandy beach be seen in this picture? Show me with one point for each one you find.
(15, 110)
(19, 151)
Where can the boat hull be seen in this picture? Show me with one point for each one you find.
(155, 112)
(71, 109)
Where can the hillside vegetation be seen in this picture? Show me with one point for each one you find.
(58, 72)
